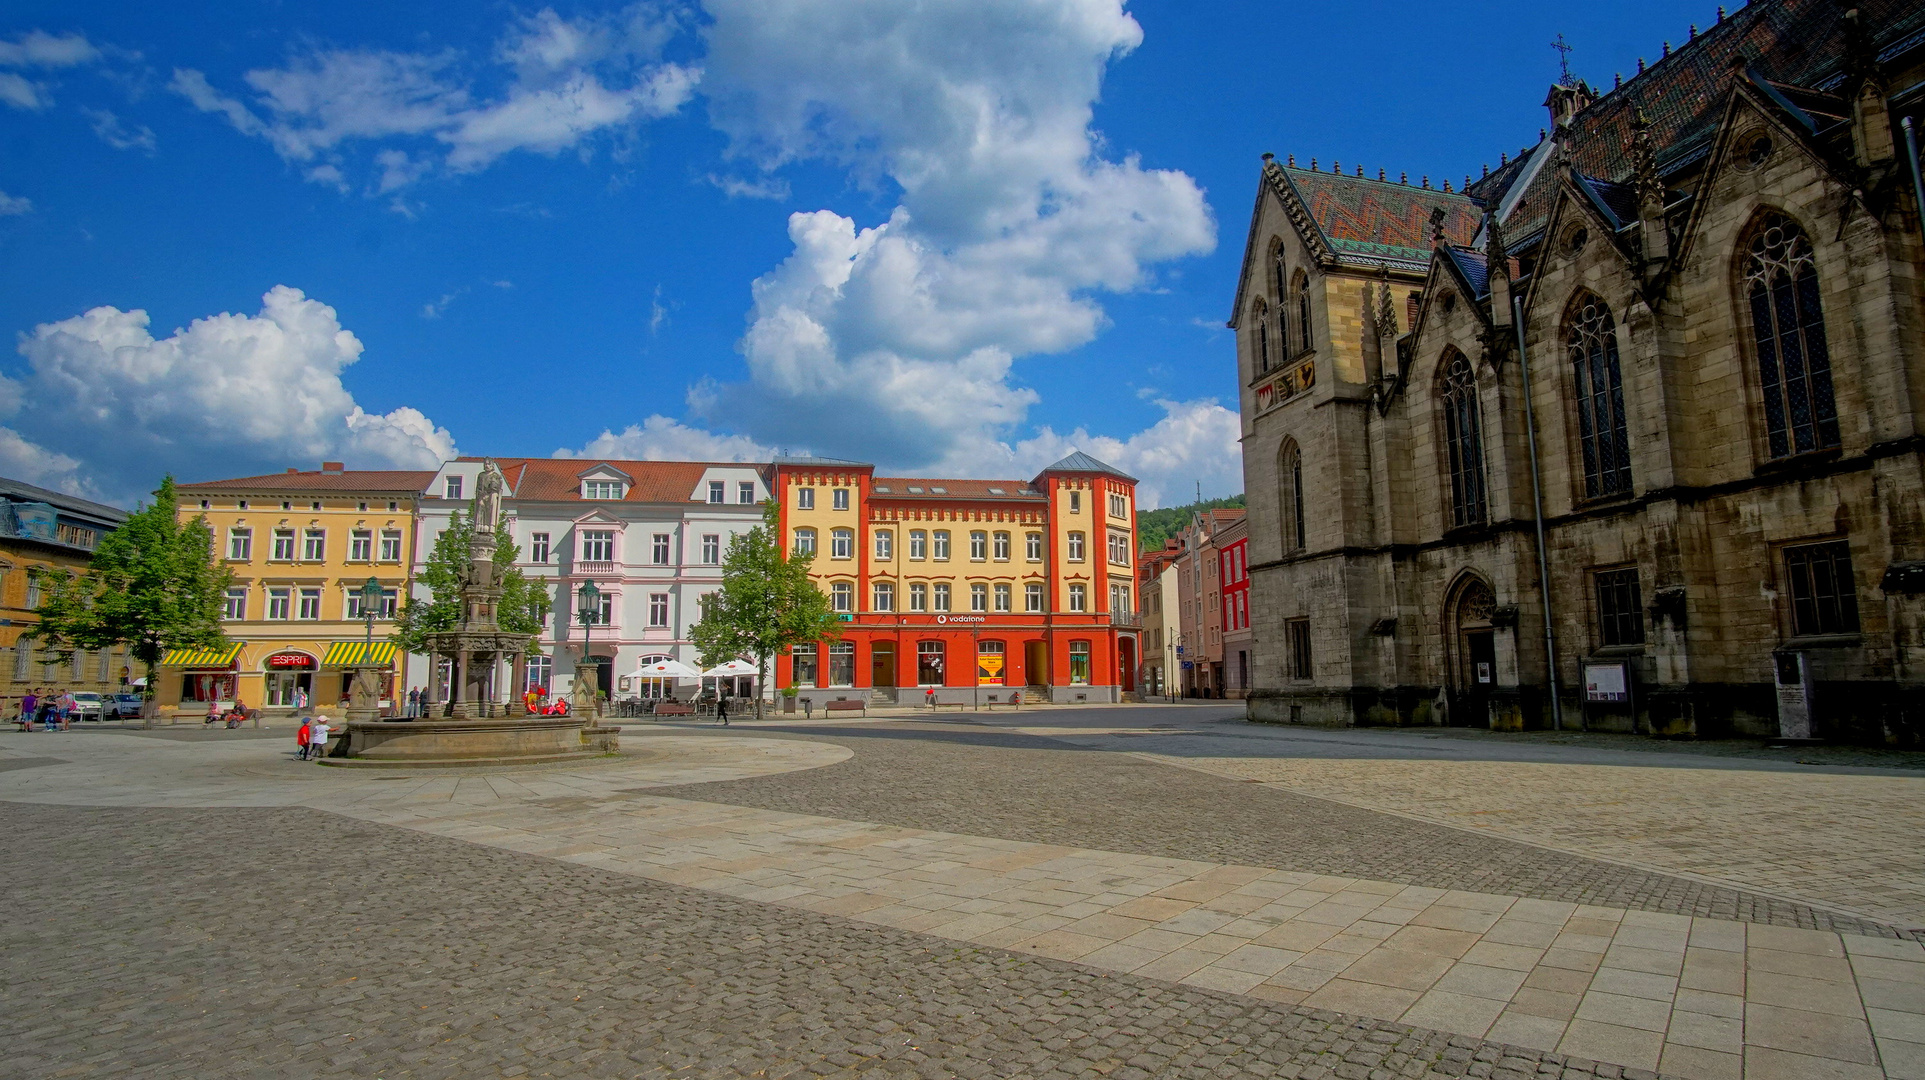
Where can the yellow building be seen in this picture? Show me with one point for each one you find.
(301, 545)
(45, 533)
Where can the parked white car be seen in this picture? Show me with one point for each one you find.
(89, 706)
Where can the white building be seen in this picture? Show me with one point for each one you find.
(650, 535)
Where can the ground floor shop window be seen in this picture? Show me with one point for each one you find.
(285, 687)
(929, 663)
(802, 661)
(540, 673)
(1079, 666)
(842, 664)
(989, 663)
(205, 686)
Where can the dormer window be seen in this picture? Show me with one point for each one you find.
(454, 487)
(601, 489)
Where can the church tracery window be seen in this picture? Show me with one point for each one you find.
(1464, 440)
(1290, 492)
(1597, 382)
(1303, 312)
(1260, 323)
(1788, 326)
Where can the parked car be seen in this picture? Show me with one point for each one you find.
(88, 706)
(126, 706)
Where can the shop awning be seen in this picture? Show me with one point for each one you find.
(356, 653)
(222, 657)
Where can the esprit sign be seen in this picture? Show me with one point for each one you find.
(290, 659)
(943, 619)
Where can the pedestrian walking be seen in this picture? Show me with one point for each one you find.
(929, 697)
(301, 737)
(29, 709)
(722, 709)
(317, 739)
(67, 708)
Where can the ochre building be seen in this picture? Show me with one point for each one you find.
(966, 590)
(46, 535)
(1716, 263)
(301, 545)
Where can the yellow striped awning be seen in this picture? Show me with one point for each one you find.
(203, 658)
(355, 653)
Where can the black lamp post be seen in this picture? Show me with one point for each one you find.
(589, 611)
(370, 602)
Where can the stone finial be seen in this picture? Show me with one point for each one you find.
(1268, 157)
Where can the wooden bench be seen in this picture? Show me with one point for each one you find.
(674, 708)
(846, 706)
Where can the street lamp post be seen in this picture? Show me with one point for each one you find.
(364, 671)
(589, 610)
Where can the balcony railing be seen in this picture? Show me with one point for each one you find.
(595, 569)
(1130, 619)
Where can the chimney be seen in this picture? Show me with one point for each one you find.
(293, 469)
(333, 466)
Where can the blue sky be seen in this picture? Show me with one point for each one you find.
(948, 237)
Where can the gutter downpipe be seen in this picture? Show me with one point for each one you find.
(1537, 512)
(1911, 158)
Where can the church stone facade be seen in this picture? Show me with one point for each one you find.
(1721, 386)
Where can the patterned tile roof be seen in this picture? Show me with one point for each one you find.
(1377, 218)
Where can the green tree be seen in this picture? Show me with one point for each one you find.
(767, 603)
(1154, 527)
(518, 611)
(153, 585)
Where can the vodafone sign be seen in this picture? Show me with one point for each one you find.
(945, 619)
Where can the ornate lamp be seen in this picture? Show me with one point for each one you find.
(370, 603)
(589, 610)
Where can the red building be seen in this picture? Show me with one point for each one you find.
(966, 589)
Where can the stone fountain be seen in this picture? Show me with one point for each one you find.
(480, 725)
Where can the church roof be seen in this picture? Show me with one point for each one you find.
(1078, 461)
(1379, 219)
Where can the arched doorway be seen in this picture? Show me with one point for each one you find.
(1126, 663)
(1472, 646)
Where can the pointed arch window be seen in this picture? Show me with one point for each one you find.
(1290, 495)
(1788, 325)
(1260, 323)
(1598, 384)
(1464, 438)
(1283, 301)
(1302, 290)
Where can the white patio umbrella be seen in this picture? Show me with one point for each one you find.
(667, 669)
(730, 669)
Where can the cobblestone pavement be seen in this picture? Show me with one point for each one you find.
(291, 943)
(962, 778)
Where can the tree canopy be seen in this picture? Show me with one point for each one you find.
(1155, 527)
(153, 585)
(767, 603)
(519, 610)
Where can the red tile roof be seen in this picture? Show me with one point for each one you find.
(898, 488)
(383, 480)
(559, 479)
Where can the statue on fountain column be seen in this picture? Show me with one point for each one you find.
(489, 490)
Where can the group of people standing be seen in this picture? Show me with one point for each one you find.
(312, 738)
(46, 711)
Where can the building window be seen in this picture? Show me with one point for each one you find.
(1296, 634)
(658, 550)
(839, 498)
(452, 488)
(598, 545)
(310, 605)
(1597, 381)
(1119, 599)
(240, 544)
(805, 498)
(1788, 325)
(884, 597)
(538, 547)
(1119, 507)
(978, 597)
(1079, 665)
(540, 673)
(1824, 595)
(942, 596)
(745, 492)
(711, 549)
(885, 545)
(1075, 502)
(1032, 597)
(391, 545)
(929, 663)
(1002, 597)
(658, 611)
(1290, 497)
(918, 544)
(1260, 334)
(384, 609)
(1304, 340)
(283, 545)
(1002, 547)
(918, 597)
(1463, 435)
(842, 663)
(942, 544)
(805, 541)
(842, 543)
(1075, 547)
(278, 600)
(601, 489)
(842, 597)
(978, 546)
(234, 607)
(1620, 607)
(1033, 547)
(361, 546)
(314, 546)
(1119, 549)
(22, 659)
(718, 491)
(605, 613)
(802, 665)
(1079, 597)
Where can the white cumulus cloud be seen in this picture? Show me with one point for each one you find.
(1195, 443)
(112, 406)
(39, 49)
(660, 438)
(14, 204)
(552, 84)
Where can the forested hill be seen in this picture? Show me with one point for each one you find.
(1153, 527)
